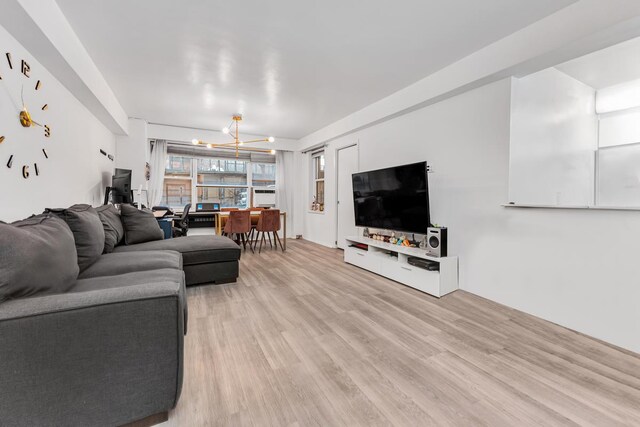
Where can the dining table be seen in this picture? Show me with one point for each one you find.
(220, 215)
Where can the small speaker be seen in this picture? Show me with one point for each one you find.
(436, 240)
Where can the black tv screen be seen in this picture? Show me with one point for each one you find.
(393, 199)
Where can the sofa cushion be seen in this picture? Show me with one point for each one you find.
(165, 275)
(129, 262)
(171, 275)
(139, 225)
(84, 222)
(37, 255)
(194, 249)
(112, 224)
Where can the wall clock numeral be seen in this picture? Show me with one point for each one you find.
(31, 169)
(25, 68)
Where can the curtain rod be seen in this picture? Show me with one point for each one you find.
(315, 147)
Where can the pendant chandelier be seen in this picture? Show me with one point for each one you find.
(238, 145)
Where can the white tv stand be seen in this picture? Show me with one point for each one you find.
(390, 261)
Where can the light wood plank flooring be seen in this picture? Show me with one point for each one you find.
(303, 339)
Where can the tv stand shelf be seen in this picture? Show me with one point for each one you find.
(390, 261)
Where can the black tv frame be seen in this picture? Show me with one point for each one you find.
(428, 204)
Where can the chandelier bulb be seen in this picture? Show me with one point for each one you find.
(271, 139)
(225, 130)
(272, 151)
(195, 141)
(209, 146)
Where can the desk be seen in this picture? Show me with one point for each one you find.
(283, 216)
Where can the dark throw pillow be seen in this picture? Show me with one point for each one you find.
(112, 224)
(84, 222)
(139, 225)
(38, 256)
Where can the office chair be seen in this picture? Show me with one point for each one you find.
(182, 225)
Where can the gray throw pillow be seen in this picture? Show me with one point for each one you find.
(112, 224)
(38, 256)
(84, 222)
(139, 225)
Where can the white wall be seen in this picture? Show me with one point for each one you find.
(554, 134)
(75, 172)
(574, 268)
(41, 27)
(134, 152)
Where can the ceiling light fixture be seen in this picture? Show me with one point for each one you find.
(237, 142)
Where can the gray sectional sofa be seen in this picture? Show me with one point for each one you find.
(95, 340)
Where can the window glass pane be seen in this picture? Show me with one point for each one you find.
(176, 192)
(178, 165)
(222, 172)
(263, 174)
(319, 166)
(320, 192)
(228, 197)
(177, 182)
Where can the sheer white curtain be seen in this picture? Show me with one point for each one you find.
(158, 161)
(284, 185)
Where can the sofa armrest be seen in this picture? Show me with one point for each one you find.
(104, 357)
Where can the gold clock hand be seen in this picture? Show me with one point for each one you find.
(36, 123)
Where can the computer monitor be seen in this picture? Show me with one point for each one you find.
(121, 186)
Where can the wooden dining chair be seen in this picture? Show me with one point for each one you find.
(223, 218)
(254, 220)
(269, 223)
(239, 223)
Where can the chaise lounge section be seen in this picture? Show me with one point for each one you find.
(206, 259)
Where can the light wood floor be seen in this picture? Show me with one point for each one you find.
(303, 339)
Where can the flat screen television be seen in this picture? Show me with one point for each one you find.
(394, 198)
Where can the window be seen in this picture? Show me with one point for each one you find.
(223, 181)
(222, 172)
(317, 162)
(263, 174)
(228, 197)
(204, 179)
(177, 182)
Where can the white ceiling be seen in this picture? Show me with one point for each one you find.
(290, 66)
(607, 67)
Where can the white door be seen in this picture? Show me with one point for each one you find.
(347, 165)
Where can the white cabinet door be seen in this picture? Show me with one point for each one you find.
(347, 165)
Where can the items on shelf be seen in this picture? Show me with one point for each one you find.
(400, 241)
(316, 206)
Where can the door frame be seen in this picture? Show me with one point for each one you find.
(337, 163)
